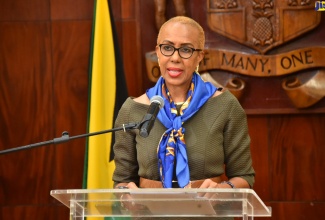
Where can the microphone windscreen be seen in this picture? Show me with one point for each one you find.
(158, 99)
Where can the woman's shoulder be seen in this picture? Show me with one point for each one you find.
(140, 102)
(225, 99)
(223, 94)
(132, 109)
(143, 99)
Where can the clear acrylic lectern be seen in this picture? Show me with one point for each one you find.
(162, 203)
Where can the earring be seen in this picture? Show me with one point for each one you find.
(197, 69)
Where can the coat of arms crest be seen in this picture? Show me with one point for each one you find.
(262, 24)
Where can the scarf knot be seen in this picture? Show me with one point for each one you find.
(177, 123)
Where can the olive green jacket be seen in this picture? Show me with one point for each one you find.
(216, 138)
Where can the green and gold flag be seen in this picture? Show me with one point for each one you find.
(106, 83)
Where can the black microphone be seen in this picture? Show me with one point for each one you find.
(157, 102)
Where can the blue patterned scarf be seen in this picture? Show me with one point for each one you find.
(172, 144)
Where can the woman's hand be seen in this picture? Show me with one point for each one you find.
(126, 200)
(237, 182)
(130, 185)
(208, 183)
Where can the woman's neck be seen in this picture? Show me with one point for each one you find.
(178, 93)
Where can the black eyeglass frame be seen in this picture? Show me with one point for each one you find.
(193, 50)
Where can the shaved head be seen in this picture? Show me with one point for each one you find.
(186, 21)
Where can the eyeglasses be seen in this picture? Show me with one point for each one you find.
(184, 52)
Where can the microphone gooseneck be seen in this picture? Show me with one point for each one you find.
(157, 102)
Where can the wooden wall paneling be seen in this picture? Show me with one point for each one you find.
(71, 47)
(128, 9)
(30, 212)
(148, 38)
(126, 26)
(70, 70)
(25, 79)
(297, 157)
(25, 93)
(258, 130)
(71, 10)
(27, 111)
(304, 210)
(20, 10)
(61, 212)
(131, 53)
(266, 96)
(116, 8)
(26, 176)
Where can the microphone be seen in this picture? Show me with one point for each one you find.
(157, 102)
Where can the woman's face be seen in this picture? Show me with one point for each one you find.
(176, 70)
